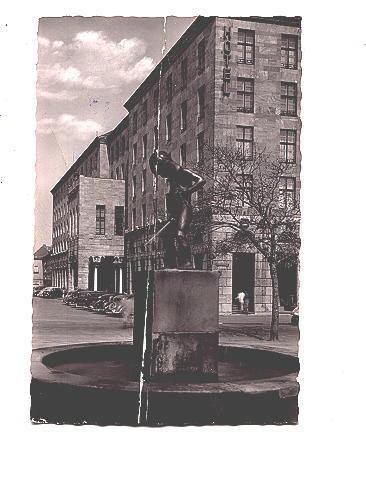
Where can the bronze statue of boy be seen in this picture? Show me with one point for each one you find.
(182, 184)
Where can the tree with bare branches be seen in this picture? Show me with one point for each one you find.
(252, 196)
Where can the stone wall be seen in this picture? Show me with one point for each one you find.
(94, 192)
(266, 120)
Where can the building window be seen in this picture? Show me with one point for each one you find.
(200, 147)
(156, 101)
(201, 54)
(169, 88)
(143, 214)
(183, 116)
(119, 214)
(245, 136)
(201, 103)
(155, 210)
(168, 127)
(35, 269)
(288, 145)
(134, 154)
(289, 51)
(245, 95)
(144, 146)
(100, 219)
(134, 123)
(183, 155)
(144, 112)
(245, 188)
(133, 218)
(246, 46)
(156, 137)
(143, 182)
(289, 99)
(287, 192)
(134, 187)
(184, 73)
(117, 173)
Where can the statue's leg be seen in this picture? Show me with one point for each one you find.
(184, 251)
(170, 247)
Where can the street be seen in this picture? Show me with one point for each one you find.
(55, 324)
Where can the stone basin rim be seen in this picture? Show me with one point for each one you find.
(283, 386)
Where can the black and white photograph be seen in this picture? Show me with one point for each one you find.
(182, 274)
(166, 266)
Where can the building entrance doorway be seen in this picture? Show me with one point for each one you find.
(243, 273)
(287, 285)
(102, 274)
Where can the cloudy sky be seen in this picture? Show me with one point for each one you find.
(87, 68)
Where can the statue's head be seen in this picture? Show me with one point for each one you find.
(161, 163)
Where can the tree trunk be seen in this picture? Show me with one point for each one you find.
(273, 333)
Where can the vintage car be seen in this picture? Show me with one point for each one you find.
(37, 290)
(101, 304)
(51, 292)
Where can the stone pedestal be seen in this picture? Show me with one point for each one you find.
(179, 310)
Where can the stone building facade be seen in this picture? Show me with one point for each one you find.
(225, 80)
(41, 272)
(225, 76)
(88, 218)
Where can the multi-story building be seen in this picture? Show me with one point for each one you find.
(41, 271)
(226, 80)
(233, 80)
(88, 217)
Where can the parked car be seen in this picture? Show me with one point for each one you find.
(37, 290)
(74, 297)
(100, 305)
(51, 292)
(91, 299)
(122, 306)
(295, 316)
(85, 299)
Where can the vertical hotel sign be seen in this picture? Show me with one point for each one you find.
(226, 76)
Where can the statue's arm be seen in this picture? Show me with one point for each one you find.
(198, 182)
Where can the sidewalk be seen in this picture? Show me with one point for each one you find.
(253, 330)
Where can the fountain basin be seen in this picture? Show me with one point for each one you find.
(98, 384)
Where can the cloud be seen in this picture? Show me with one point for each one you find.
(91, 61)
(63, 95)
(67, 125)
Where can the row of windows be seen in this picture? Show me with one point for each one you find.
(117, 150)
(246, 98)
(245, 92)
(118, 173)
(201, 62)
(246, 45)
(100, 212)
(289, 49)
(245, 142)
(287, 190)
(59, 247)
(60, 212)
(287, 196)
